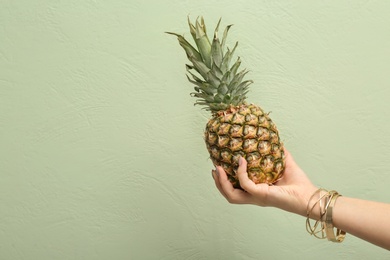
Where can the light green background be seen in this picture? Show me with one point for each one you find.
(101, 150)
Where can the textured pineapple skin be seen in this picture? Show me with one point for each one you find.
(245, 131)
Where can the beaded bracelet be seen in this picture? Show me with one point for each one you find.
(323, 227)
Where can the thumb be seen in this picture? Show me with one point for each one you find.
(245, 183)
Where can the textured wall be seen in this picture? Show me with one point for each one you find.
(101, 150)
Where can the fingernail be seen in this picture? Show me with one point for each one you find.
(217, 172)
(240, 161)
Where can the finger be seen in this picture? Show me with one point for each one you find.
(223, 182)
(234, 196)
(258, 192)
(245, 183)
(217, 183)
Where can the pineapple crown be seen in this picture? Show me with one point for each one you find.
(218, 85)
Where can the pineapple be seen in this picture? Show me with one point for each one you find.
(236, 128)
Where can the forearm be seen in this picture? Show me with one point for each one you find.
(367, 220)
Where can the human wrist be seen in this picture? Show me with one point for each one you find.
(304, 199)
(295, 199)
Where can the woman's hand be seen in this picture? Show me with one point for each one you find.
(365, 219)
(291, 193)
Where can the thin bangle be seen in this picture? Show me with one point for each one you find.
(340, 234)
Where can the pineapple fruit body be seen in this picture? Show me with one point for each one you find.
(236, 128)
(245, 131)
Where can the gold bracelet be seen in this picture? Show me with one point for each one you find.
(323, 227)
(318, 228)
(329, 228)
